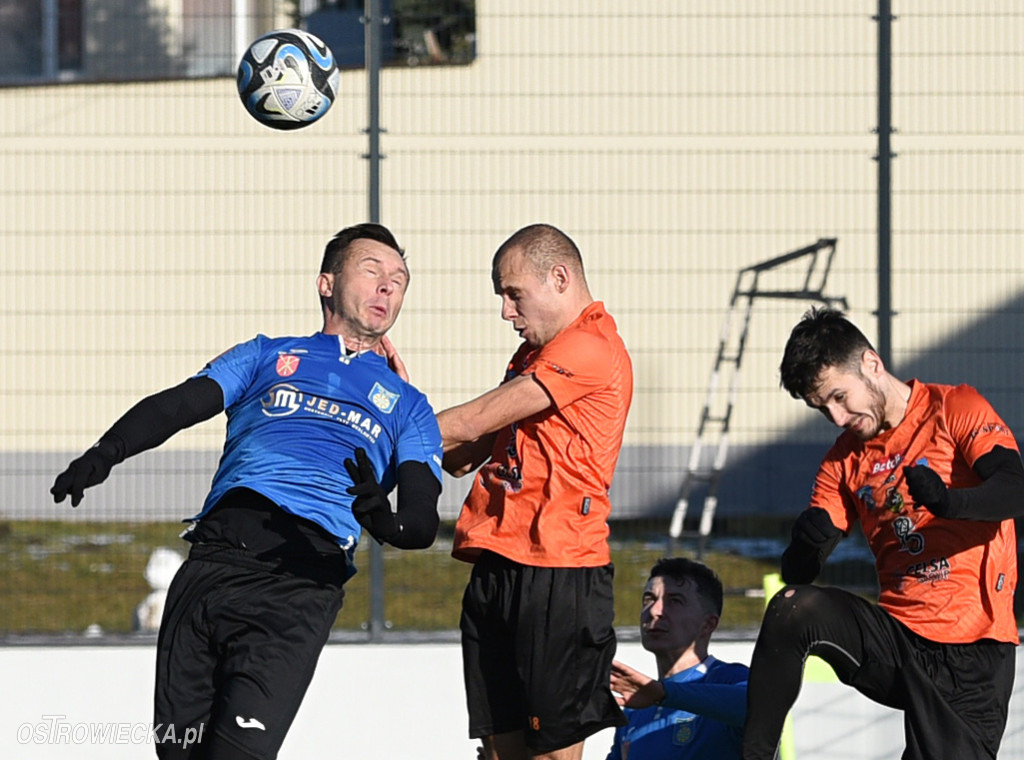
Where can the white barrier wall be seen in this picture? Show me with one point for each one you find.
(393, 702)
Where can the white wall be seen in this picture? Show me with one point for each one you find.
(366, 701)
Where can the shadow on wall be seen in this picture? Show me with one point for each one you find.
(987, 352)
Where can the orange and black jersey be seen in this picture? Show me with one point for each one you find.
(542, 498)
(950, 581)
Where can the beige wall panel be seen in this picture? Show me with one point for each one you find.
(149, 226)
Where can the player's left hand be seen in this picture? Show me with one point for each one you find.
(927, 489)
(634, 689)
(371, 506)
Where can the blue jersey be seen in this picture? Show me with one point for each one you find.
(298, 407)
(715, 695)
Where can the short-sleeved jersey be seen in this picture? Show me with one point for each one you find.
(951, 581)
(297, 407)
(662, 733)
(542, 498)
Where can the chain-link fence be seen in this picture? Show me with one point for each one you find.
(148, 223)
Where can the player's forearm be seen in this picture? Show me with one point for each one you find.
(1000, 495)
(463, 459)
(724, 702)
(459, 427)
(418, 492)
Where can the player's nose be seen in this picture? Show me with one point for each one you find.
(508, 309)
(839, 415)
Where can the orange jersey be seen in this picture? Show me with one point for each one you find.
(951, 581)
(542, 498)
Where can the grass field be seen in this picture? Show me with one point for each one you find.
(60, 577)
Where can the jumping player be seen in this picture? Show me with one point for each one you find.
(935, 479)
(320, 428)
(536, 624)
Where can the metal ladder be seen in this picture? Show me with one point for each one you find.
(715, 421)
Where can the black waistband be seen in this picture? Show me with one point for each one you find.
(247, 520)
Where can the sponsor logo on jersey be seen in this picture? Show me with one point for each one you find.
(284, 399)
(287, 364)
(930, 570)
(281, 400)
(910, 540)
(886, 465)
(867, 495)
(992, 427)
(382, 398)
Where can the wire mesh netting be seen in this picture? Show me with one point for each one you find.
(148, 223)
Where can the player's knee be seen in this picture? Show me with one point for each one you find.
(793, 608)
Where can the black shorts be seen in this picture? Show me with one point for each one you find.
(239, 642)
(537, 647)
(955, 697)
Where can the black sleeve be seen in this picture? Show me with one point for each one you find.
(156, 418)
(418, 491)
(1000, 495)
(814, 537)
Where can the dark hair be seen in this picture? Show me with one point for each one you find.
(544, 246)
(679, 569)
(822, 338)
(337, 251)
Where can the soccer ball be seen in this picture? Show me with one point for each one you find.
(287, 79)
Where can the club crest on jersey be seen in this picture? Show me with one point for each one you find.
(382, 398)
(287, 364)
(867, 496)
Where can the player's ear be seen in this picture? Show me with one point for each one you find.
(325, 284)
(560, 276)
(710, 624)
(871, 363)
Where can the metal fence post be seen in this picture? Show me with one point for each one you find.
(374, 21)
(884, 158)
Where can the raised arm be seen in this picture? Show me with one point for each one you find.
(468, 430)
(146, 425)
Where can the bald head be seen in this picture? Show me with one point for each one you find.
(543, 247)
(538, 273)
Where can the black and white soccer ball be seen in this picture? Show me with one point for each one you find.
(288, 79)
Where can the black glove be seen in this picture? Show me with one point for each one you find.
(90, 469)
(814, 528)
(371, 507)
(814, 537)
(927, 489)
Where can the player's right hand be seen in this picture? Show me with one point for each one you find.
(814, 528)
(90, 469)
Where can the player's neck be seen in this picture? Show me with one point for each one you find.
(897, 396)
(354, 341)
(670, 664)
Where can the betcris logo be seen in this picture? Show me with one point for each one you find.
(281, 400)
